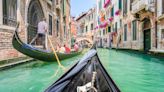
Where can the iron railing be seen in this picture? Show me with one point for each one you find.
(9, 21)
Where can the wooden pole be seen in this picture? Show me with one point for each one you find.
(57, 58)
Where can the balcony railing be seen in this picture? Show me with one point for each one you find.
(9, 21)
(139, 5)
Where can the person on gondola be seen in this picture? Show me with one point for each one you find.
(67, 49)
(62, 49)
(58, 48)
(41, 32)
(76, 47)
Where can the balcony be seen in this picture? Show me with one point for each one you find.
(143, 5)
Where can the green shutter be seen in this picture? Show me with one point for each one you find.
(162, 6)
(134, 29)
(112, 12)
(125, 32)
(120, 4)
(100, 5)
(116, 27)
(64, 7)
(109, 29)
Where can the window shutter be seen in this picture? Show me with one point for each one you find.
(120, 4)
(162, 6)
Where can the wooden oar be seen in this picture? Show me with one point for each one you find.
(57, 58)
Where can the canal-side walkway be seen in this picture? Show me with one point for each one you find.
(13, 62)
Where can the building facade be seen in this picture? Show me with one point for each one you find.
(132, 24)
(160, 21)
(29, 13)
(86, 25)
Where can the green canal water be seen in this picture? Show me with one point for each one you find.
(132, 72)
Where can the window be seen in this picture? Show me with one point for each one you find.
(131, 1)
(91, 26)
(125, 32)
(9, 12)
(113, 28)
(162, 34)
(134, 29)
(64, 7)
(89, 18)
(92, 17)
(57, 27)
(104, 32)
(100, 5)
(116, 27)
(120, 4)
(162, 6)
(109, 29)
(112, 12)
(65, 31)
(86, 28)
(50, 25)
(152, 1)
(125, 7)
(120, 23)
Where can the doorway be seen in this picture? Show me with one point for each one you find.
(147, 40)
(35, 14)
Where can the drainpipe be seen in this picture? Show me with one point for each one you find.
(156, 26)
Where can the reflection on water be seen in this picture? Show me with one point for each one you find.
(134, 72)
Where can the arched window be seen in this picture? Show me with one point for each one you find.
(9, 12)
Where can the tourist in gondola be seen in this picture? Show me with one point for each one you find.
(76, 47)
(58, 48)
(67, 49)
(41, 32)
(62, 49)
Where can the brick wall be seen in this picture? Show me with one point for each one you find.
(6, 49)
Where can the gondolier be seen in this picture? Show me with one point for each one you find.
(41, 32)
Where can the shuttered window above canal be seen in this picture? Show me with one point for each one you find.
(125, 32)
(9, 12)
(120, 4)
(162, 34)
(125, 8)
(134, 30)
(100, 5)
(50, 25)
(86, 28)
(109, 29)
(112, 12)
(92, 26)
(57, 27)
(131, 1)
(116, 27)
(162, 6)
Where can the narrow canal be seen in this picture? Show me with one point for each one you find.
(132, 72)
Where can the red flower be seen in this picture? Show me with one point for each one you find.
(107, 3)
(111, 19)
(117, 12)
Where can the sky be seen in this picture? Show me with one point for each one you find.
(79, 6)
